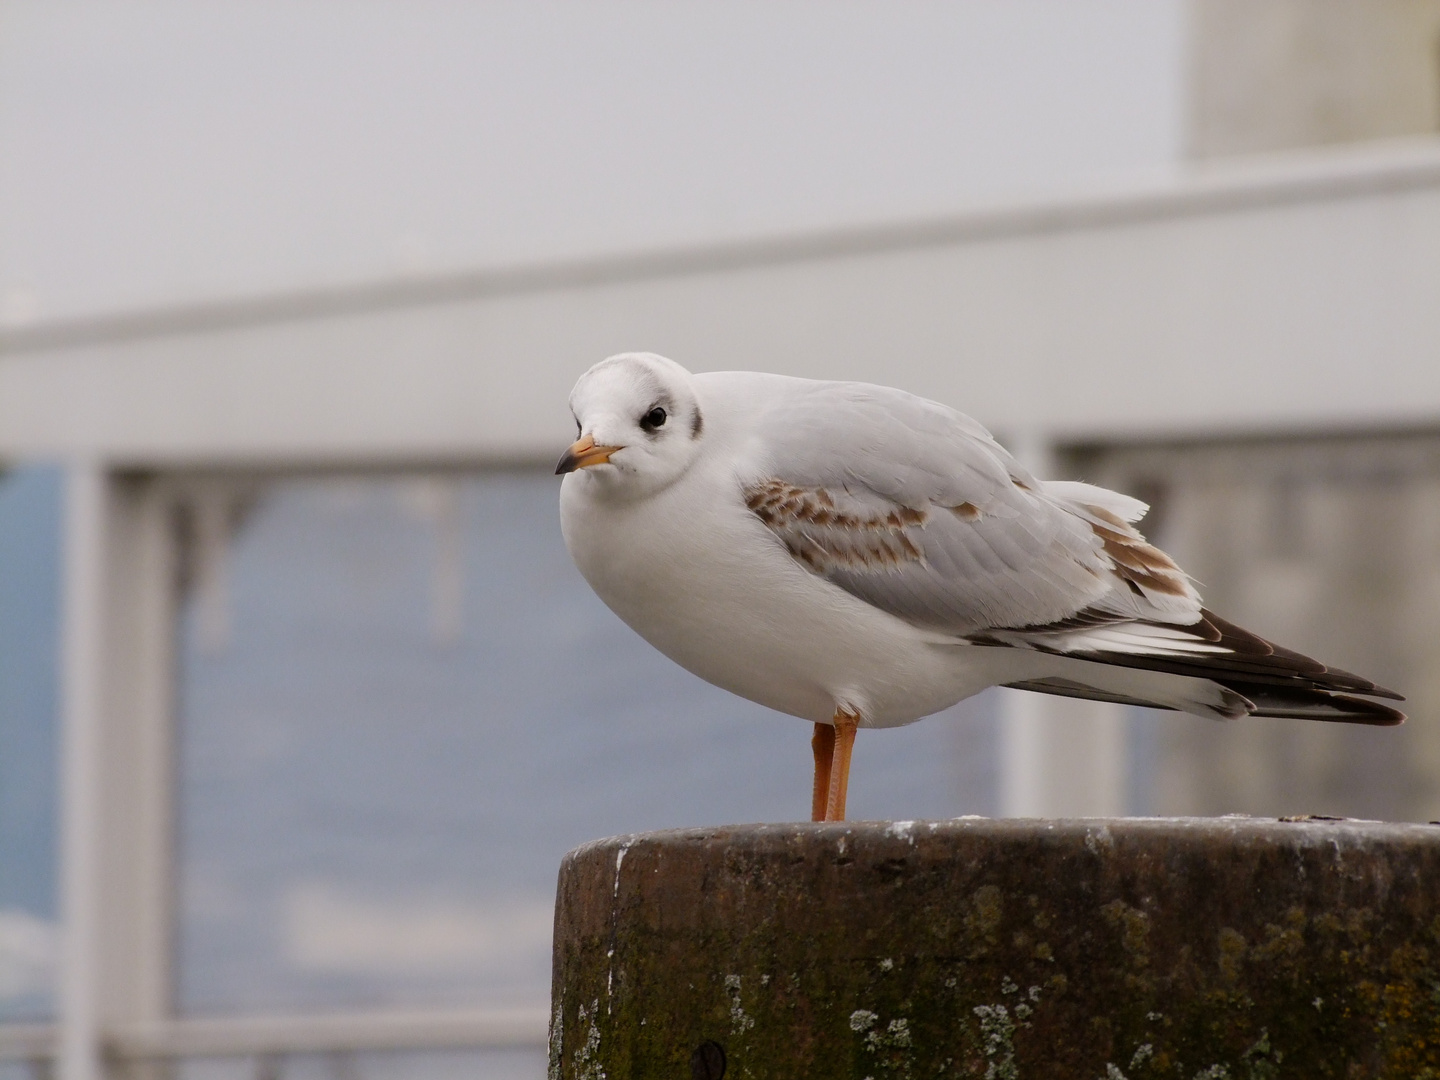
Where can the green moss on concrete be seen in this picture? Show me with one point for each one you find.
(1137, 950)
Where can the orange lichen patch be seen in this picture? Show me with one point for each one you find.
(825, 538)
(965, 511)
(1134, 559)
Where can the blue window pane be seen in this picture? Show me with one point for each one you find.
(30, 510)
(374, 807)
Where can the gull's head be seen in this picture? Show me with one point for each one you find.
(638, 424)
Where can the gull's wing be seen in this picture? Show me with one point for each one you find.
(915, 509)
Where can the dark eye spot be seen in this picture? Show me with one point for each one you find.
(653, 419)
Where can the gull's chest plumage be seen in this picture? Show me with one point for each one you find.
(699, 577)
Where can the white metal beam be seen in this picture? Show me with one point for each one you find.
(245, 1036)
(118, 746)
(416, 1030)
(82, 753)
(1226, 301)
(1059, 757)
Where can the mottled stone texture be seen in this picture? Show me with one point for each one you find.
(1232, 948)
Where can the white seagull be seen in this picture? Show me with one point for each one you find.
(860, 557)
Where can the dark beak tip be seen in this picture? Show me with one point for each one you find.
(566, 464)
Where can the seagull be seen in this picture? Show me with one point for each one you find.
(857, 556)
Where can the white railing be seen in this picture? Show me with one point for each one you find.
(28, 1042)
(269, 1038)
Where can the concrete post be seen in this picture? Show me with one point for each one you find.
(1093, 950)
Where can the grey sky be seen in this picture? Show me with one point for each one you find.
(168, 151)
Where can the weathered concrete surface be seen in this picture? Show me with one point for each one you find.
(1236, 948)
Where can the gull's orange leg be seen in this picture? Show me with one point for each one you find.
(845, 725)
(823, 744)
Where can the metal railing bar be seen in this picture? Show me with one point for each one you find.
(27, 1042)
(277, 1035)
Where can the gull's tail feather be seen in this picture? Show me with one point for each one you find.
(1317, 704)
(1258, 677)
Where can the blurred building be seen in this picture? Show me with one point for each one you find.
(1330, 544)
(317, 520)
(1323, 538)
(1284, 74)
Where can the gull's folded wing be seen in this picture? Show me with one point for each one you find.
(915, 509)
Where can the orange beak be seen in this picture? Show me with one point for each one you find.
(584, 453)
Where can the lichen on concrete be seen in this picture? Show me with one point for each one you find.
(997, 1031)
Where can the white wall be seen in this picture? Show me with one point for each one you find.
(181, 150)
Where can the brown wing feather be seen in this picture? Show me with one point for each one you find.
(825, 538)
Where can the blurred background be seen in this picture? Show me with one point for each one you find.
(301, 700)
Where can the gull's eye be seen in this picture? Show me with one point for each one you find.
(653, 419)
(577, 427)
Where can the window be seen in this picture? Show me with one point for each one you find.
(400, 705)
(29, 601)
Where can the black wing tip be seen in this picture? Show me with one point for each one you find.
(1340, 709)
(1361, 685)
(1248, 645)
(1265, 679)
